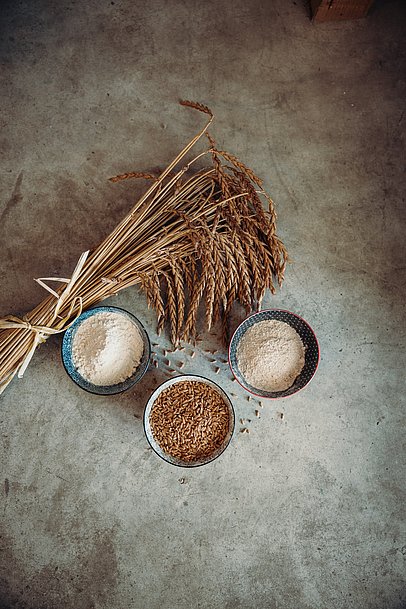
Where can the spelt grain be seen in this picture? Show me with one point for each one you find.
(190, 420)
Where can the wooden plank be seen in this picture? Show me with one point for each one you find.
(339, 10)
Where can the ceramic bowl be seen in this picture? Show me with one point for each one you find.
(154, 444)
(309, 340)
(71, 369)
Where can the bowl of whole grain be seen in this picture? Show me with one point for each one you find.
(274, 353)
(189, 421)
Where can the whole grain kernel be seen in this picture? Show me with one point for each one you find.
(190, 420)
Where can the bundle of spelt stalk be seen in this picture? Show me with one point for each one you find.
(192, 237)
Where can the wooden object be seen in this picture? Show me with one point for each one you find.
(339, 10)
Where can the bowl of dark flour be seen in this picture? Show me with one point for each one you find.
(274, 353)
(106, 350)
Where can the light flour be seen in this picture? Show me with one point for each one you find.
(107, 348)
(271, 355)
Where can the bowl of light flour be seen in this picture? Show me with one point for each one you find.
(106, 350)
(274, 353)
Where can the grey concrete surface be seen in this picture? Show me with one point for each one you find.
(308, 511)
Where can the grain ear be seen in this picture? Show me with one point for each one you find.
(179, 296)
(212, 218)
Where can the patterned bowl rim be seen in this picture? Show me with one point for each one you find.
(155, 445)
(120, 387)
(280, 397)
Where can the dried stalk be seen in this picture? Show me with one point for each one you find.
(201, 233)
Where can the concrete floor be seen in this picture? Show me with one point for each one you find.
(308, 511)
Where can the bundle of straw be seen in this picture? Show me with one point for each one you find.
(190, 237)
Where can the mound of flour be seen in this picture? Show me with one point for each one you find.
(107, 348)
(270, 355)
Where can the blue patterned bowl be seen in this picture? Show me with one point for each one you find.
(309, 340)
(104, 389)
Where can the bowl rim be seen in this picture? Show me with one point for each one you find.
(138, 323)
(172, 381)
(279, 397)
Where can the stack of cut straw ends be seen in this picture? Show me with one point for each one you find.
(208, 234)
